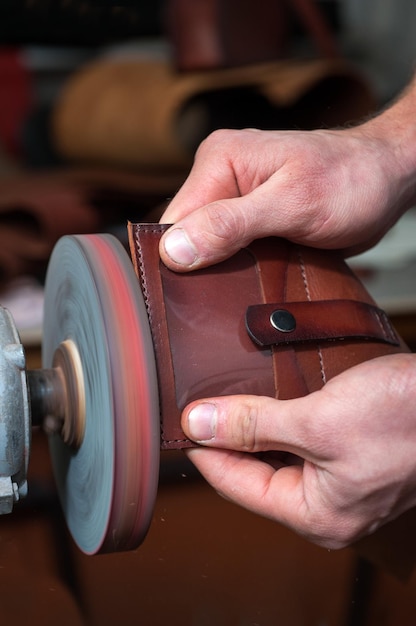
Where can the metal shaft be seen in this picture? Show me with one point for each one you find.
(47, 395)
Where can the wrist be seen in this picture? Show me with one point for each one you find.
(395, 131)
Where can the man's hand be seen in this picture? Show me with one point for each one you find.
(355, 442)
(329, 189)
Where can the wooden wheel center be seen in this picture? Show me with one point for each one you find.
(67, 363)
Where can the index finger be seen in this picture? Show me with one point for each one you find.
(211, 178)
(284, 496)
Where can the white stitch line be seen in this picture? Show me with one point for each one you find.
(143, 277)
(167, 441)
(321, 362)
(308, 295)
(150, 315)
(303, 272)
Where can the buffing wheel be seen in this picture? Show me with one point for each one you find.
(95, 320)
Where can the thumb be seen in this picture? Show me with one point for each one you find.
(209, 234)
(247, 423)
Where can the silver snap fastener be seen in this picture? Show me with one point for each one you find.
(283, 321)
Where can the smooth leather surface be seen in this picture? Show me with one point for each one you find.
(204, 348)
(319, 320)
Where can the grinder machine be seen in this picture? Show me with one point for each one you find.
(128, 343)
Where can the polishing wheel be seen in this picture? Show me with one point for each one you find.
(99, 385)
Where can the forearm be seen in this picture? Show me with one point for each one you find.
(396, 128)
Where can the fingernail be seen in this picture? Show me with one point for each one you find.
(179, 248)
(202, 420)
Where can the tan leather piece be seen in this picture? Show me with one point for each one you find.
(144, 114)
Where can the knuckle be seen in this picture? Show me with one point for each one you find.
(214, 141)
(305, 183)
(245, 429)
(222, 220)
(226, 225)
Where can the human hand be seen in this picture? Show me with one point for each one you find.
(327, 188)
(356, 438)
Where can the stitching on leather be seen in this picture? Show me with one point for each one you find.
(321, 363)
(385, 326)
(303, 272)
(154, 230)
(145, 291)
(142, 273)
(167, 441)
(308, 295)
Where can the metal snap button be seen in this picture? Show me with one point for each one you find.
(283, 320)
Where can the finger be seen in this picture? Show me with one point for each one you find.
(278, 495)
(249, 482)
(214, 232)
(216, 173)
(254, 424)
(225, 203)
(209, 235)
(203, 186)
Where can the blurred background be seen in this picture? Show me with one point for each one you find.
(102, 105)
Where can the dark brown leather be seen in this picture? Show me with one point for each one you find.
(203, 347)
(321, 320)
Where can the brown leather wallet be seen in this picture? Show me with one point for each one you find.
(275, 319)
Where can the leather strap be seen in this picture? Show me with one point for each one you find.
(212, 333)
(323, 320)
(273, 269)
